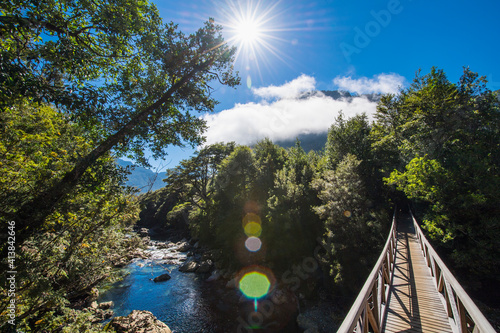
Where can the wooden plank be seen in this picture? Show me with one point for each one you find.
(414, 303)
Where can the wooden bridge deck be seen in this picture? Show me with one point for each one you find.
(414, 304)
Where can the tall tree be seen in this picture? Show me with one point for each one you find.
(114, 68)
(269, 158)
(448, 139)
(352, 225)
(73, 249)
(351, 136)
(193, 182)
(291, 226)
(232, 200)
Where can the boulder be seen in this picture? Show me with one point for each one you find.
(184, 247)
(99, 315)
(189, 267)
(232, 284)
(162, 245)
(205, 267)
(106, 305)
(139, 322)
(161, 278)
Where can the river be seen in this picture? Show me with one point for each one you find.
(186, 302)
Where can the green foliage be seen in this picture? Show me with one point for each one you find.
(114, 68)
(456, 128)
(52, 51)
(104, 62)
(349, 136)
(74, 248)
(352, 225)
(233, 199)
(291, 226)
(269, 159)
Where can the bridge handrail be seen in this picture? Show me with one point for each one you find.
(368, 308)
(463, 313)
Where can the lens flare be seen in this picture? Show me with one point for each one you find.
(254, 285)
(347, 213)
(253, 244)
(253, 229)
(251, 217)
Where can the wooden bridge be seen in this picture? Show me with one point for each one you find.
(411, 290)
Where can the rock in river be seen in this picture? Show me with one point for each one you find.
(163, 277)
(184, 247)
(139, 322)
(189, 267)
(205, 267)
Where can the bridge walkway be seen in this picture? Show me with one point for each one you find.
(413, 304)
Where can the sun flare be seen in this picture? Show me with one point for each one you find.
(250, 27)
(256, 29)
(248, 31)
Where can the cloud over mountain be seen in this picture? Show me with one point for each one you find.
(287, 111)
(292, 89)
(382, 83)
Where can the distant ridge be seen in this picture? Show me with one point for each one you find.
(317, 141)
(141, 178)
(342, 95)
(308, 142)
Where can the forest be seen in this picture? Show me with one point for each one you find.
(84, 83)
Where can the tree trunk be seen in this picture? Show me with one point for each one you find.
(33, 213)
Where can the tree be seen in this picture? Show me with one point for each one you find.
(70, 253)
(447, 138)
(354, 136)
(193, 183)
(194, 178)
(233, 199)
(352, 225)
(269, 158)
(351, 136)
(292, 227)
(117, 71)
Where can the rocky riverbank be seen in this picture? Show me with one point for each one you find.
(183, 267)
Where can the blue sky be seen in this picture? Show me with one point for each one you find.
(334, 44)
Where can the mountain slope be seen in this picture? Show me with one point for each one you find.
(142, 178)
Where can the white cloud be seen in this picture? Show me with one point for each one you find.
(285, 118)
(290, 89)
(382, 83)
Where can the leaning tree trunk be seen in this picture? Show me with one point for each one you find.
(33, 213)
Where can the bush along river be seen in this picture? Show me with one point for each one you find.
(178, 283)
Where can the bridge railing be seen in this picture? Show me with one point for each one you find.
(463, 314)
(369, 307)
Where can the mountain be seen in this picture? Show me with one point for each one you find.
(308, 142)
(342, 95)
(142, 178)
(317, 141)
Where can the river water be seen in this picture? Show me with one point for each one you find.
(186, 302)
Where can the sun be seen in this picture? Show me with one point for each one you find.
(248, 31)
(256, 29)
(249, 25)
